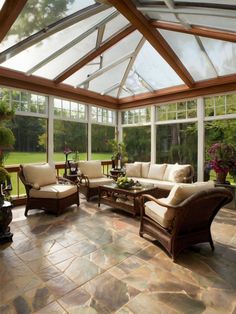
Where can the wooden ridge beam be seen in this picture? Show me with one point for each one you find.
(208, 87)
(94, 53)
(136, 18)
(18, 79)
(8, 14)
(196, 30)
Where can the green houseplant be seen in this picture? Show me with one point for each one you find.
(118, 153)
(7, 140)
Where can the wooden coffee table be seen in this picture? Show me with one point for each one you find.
(125, 199)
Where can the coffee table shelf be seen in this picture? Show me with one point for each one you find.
(125, 199)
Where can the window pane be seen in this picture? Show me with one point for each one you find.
(177, 143)
(101, 134)
(68, 134)
(138, 143)
(31, 140)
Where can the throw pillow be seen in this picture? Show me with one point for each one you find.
(182, 191)
(40, 174)
(156, 171)
(133, 170)
(91, 168)
(178, 173)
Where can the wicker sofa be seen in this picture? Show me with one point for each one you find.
(165, 176)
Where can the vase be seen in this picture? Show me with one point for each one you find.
(221, 177)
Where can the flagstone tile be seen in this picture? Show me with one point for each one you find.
(52, 308)
(60, 285)
(59, 256)
(82, 248)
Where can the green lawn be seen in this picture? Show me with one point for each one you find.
(32, 157)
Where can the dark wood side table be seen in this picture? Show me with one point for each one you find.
(231, 188)
(5, 220)
(115, 173)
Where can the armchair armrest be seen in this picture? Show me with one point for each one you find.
(83, 179)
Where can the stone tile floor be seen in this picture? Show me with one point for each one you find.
(92, 260)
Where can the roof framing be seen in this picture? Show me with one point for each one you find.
(8, 14)
(196, 30)
(51, 29)
(94, 53)
(18, 79)
(128, 9)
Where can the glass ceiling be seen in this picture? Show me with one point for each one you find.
(49, 37)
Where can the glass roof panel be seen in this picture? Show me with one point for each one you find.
(190, 54)
(109, 78)
(125, 93)
(135, 83)
(36, 15)
(81, 75)
(30, 57)
(222, 54)
(230, 2)
(162, 16)
(65, 60)
(154, 69)
(113, 93)
(114, 26)
(210, 21)
(122, 48)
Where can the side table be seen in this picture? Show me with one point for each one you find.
(5, 220)
(115, 173)
(231, 188)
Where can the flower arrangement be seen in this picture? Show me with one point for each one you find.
(223, 157)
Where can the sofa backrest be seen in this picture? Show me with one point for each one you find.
(91, 168)
(178, 173)
(39, 174)
(137, 169)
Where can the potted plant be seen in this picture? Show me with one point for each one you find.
(7, 139)
(119, 154)
(223, 157)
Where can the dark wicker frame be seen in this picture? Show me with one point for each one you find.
(51, 205)
(192, 221)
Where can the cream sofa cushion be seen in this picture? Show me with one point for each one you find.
(39, 174)
(144, 168)
(156, 171)
(178, 173)
(91, 168)
(95, 182)
(169, 169)
(56, 191)
(160, 214)
(182, 191)
(133, 169)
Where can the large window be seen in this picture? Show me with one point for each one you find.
(101, 135)
(138, 143)
(102, 115)
(65, 109)
(218, 131)
(177, 143)
(72, 135)
(220, 105)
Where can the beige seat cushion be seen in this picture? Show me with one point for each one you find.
(91, 168)
(95, 182)
(156, 171)
(56, 191)
(178, 173)
(133, 169)
(160, 214)
(39, 174)
(144, 168)
(168, 170)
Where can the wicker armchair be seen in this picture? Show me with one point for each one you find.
(179, 226)
(45, 190)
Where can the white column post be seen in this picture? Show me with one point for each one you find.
(89, 140)
(153, 134)
(119, 127)
(50, 131)
(201, 139)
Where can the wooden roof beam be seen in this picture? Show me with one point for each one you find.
(196, 30)
(8, 14)
(18, 79)
(128, 9)
(94, 53)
